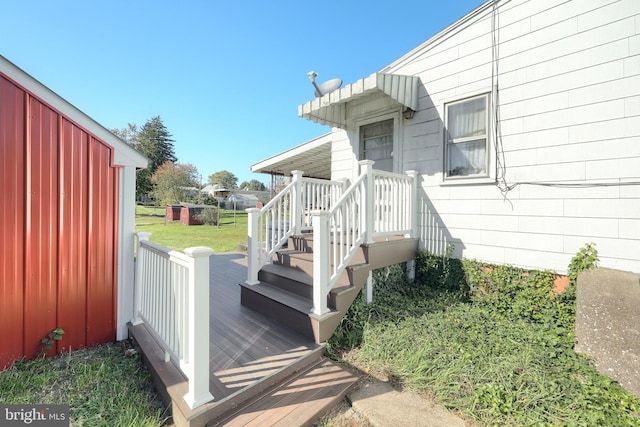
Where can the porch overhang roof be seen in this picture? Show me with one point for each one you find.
(313, 158)
(330, 109)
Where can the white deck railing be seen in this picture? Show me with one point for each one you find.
(172, 299)
(394, 208)
(269, 228)
(377, 204)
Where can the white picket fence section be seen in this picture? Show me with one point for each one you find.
(377, 204)
(172, 300)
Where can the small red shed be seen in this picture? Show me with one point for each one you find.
(67, 246)
(189, 214)
(173, 212)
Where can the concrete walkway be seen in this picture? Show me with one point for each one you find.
(382, 406)
(608, 324)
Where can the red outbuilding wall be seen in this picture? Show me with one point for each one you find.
(58, 229)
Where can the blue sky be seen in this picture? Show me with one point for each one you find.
(225, 77)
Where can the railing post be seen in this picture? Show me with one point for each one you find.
(413, 202)
(137, 279)
(198, 327)
(413, 212)
(369, 288)
(297, 208)
(366, 167)
(253, 246)
(321, 266)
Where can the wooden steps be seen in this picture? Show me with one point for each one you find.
(285, 289)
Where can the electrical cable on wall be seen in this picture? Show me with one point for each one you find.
(501, 167)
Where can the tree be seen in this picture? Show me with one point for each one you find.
(224, 179)
(253, 185)
(128, 134)
(279, 183)
(174, 182)
(154, 141)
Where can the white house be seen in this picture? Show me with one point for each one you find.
(523, 121)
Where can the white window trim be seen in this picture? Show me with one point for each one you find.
(490, 176)
(397, 145)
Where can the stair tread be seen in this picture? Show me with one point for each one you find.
(297, 302)
(308, 256)
(289, 272)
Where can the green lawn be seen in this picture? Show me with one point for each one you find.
(231, 231)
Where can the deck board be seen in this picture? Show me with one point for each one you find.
(245, 346)
(251, 357)
(300, 400)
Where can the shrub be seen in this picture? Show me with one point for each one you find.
(208, 216)
(441, 272)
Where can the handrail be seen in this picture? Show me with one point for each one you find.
(346, 231)
(269, 228)
(172, 299)
(377, 204)
(394, 203)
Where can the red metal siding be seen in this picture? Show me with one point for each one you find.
(59, 252)
(101, 292)
(12, 131)
(74, 190)
(41, 230)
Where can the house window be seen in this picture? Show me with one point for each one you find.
(466, 138)
(376, 143)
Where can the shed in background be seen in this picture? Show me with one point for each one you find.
(173, 212)
(189, 214)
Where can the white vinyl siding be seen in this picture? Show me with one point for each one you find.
(568, 81)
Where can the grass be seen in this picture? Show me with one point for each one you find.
(104, 385)
(231, 231)
(494, 343)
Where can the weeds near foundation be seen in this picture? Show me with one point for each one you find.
(492, 342)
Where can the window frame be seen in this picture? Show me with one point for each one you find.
(364, 120)
(487, 175)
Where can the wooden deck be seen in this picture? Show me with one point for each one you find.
(256, 363)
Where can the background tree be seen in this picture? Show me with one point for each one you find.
(154, 141)
(279, 183)
(253, 185)
(224, 179)
(128, 134)
(175, 182)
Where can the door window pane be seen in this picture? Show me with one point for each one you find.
(376, 143)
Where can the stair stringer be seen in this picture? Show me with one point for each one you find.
(372, 256)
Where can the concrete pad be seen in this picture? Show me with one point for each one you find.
(384, 406)
(608, 324)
